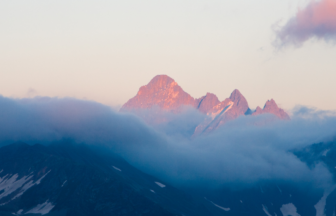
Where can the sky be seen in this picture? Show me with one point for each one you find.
(106, 50)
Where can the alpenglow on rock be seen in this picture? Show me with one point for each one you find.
(272, 108)
(161, 91)
(164, 95)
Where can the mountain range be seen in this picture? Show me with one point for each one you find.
(164, 94)
(66, 179)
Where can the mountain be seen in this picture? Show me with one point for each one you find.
(207, 102)
(161, 91)
(163, 94)
(67, 179)
(272, 108)
(229, 109)
(274, 198)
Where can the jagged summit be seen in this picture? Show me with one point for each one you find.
(207, 102)
(236, 95)
(163, 92)
(240, 105)
(270, 104)
(258, 109)
(160, 82)
(272, 108)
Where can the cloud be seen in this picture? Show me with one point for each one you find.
(316, 20)
(239, 153)
(46, 120)
(181, 124)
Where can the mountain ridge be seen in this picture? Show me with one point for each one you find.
(163, 92)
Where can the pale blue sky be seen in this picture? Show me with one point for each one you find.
(105, 50)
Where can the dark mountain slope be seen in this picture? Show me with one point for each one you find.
(67, 179)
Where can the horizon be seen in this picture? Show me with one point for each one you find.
(31, 93)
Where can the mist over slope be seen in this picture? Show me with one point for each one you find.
(241, 152)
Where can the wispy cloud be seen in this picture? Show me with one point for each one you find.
(316, 20)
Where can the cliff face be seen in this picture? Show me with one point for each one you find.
(161, 91)
(207, 102)
(164, 95)
(272, 108)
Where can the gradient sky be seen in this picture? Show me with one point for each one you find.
(105, 50)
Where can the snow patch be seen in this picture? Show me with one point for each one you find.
(160, 184)
(10, 183)
(221, 111)
(42, 209)
(116, 168)
(241, 201)
(289, 210)
(18, 212)
(39, 181)
(266, 210)
(279, 189)
(152, 191)
(320, 205)
(221, 207)
(231, 104)
(218, 206)
(64, 183)
(29, 185)
(1, 171)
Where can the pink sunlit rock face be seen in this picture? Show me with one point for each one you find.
(161, 91)
(207, 102)
(163, 94)
(272, 108)
(229, 109)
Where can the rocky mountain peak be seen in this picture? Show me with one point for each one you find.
(272, 108)
(270, 104)
(235, 95)
(258, 110)
(161, 82)
(164, 93)
(207, 102)
(161, 91)
(240, 105)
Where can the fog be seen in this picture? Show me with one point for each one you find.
(243, 152)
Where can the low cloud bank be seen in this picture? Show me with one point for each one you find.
(316, 20)
(47, 120)
(240, 153)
